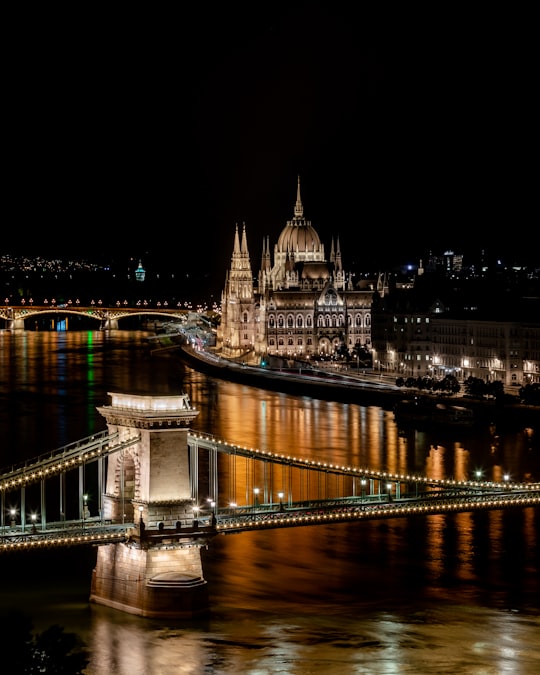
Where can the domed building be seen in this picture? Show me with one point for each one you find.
(302, 305)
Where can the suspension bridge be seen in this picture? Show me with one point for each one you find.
(150, 493)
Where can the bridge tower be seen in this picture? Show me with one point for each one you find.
(157, 572)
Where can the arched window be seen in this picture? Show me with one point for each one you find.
(309, 320)
(280, 321)
(320, 321)
(245, 318)
(290, 321)
(271, 321)
(300, 321)
(359, 321)
(327, 321)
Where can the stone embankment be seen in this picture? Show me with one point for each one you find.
(345, 388)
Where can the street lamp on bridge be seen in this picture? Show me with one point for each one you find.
(280, 497)
(363, 484)
(84, 510)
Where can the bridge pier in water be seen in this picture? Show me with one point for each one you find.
(157, 572)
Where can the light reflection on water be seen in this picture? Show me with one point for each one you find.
(440, 594)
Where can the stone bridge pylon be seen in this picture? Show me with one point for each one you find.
(157, 572)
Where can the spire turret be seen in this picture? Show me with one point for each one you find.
(298, 208)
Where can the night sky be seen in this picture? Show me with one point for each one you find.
(134, 132)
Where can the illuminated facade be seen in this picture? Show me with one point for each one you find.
(300, 305)
(415, 335)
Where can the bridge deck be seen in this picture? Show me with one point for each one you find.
(338, 494)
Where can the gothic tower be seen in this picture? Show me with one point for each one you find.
(237, 330)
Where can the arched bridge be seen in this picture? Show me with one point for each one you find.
(107, 317)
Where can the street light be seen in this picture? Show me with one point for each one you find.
(363, 484)
(256, 493)
(85, 507)
(280, 496)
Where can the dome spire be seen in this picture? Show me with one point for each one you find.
(298, 208)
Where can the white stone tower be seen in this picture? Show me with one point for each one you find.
(158, 571)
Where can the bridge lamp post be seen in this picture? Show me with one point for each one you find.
(280, 497)
(33, 517)
(13, 514)
(256, 493)
(363, 484)
(389, 488)
(84, 508)
(195, 517)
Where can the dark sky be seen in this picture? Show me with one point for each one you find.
(155, 130)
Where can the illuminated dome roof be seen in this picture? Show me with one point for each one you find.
(298, 235)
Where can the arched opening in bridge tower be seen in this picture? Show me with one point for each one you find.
(125, 489)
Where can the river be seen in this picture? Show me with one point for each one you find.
(441, 594)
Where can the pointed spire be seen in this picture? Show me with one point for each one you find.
(244, 240)
(337, 259)
(236, 248)
(298, 208)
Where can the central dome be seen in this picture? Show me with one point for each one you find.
(298, 236)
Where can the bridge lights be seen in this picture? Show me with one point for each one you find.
(280, 497)
(33, 518)
(256, 493)
(363, 484)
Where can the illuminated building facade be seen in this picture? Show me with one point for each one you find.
(433, 330)
(301, 305)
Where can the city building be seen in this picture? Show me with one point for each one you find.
(301, 304)
(487, 329)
